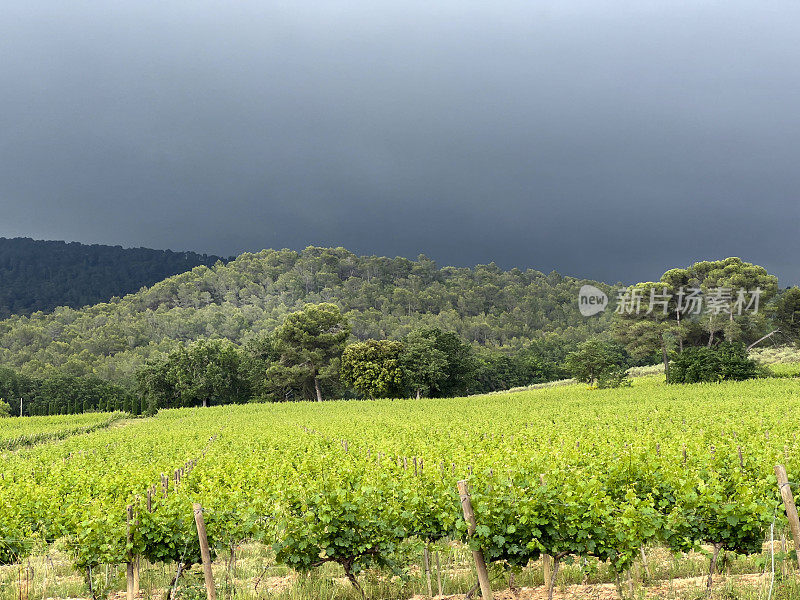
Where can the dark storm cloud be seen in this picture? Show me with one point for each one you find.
(606, 139)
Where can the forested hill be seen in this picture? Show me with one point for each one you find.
(381, 297)
(40, 275)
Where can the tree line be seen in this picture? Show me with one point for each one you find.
(242, 332)
(62, 395)
(38, 275)
(382, 298)
(665, 321)
(308, 357)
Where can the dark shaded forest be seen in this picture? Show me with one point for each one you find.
(40, 275)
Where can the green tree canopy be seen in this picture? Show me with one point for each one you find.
(373, 368)
(309, 344)
(786, 313)
(439, 363)
(598, 362)
(203, 373)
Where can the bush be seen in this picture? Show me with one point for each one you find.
(599, 363)
(726, 362)
(5, 409)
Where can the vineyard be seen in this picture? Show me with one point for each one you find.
(588, 483)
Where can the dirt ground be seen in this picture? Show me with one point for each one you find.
(608, 591)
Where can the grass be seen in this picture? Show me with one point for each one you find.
(253, 574)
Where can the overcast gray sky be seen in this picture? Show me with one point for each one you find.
(610, 140)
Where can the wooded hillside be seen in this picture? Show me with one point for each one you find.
(381, 298)
(41, 275)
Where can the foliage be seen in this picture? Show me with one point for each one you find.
(19, 433)
(439, 363)
(497, 370)
(309, 344)
(598, 362)
(726, 361)
(41, 275)
(425, 366)
(373, 368)
(61, 394)
(786, 314)
(5, 409)
(202, 373)
(350, 520)
(381, 298)
(566, 471)
(731, 274)
(658, 318)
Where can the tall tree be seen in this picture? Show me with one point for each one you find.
(202, 373)
(786, 312)
(647, 322)
(208, 372)
(702, 304)
(728, 288)
(310, 343)
(424, 364)
(452, 377)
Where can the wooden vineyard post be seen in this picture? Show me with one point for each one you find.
(426, 560)
(130, 593)
(547, 560)
(480, 563)
(136, 558)
(204, 551)
(438, 574)
(791, 509)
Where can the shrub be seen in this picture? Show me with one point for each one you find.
(726, 362)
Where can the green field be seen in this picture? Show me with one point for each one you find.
(592, 476)
(17, 433)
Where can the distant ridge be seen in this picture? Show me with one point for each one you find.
(381, 297)
(37, 275)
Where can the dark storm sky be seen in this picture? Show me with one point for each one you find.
(611, 140)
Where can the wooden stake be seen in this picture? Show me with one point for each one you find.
(547, 569)
(130, 566)
(426, 561)
(784, 570)
(438, 574)
(644, 562)
(791, 509)
(136, 577)
(204, 551)
(480, 563)
(547, 560)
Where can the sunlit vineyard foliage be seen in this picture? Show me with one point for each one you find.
(15, 433)
(565, 471)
